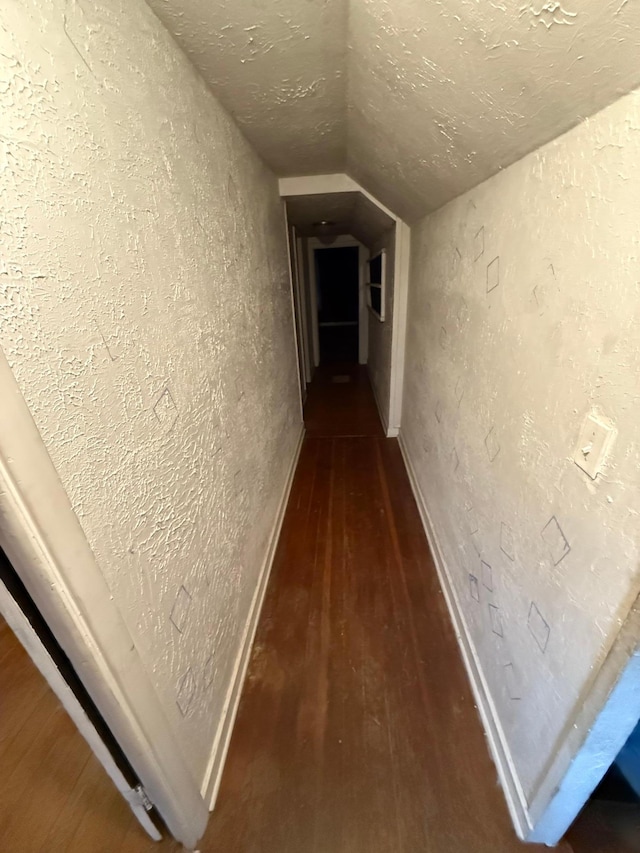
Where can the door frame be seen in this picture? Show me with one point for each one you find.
(32, 643)
(44, 542)
(303, 289)
(604, 720)
(295, 309)
(305, 185)
(344, 241)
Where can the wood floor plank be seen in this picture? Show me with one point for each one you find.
(56, 775)
(54, 794)
(104, 823)
(339, 408)
(22, 694)
(357, 729)
(356, 732)
(85, 794)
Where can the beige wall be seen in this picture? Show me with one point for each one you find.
(524, 317)
(145, 310)
(380, 334)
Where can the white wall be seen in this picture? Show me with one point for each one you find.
(145, 310)
(381, 334)
(524, 317)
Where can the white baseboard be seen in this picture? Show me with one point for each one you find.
(390, 432)
(514, 795)
(215, 765)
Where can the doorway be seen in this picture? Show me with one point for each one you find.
(338, 286)
(65, 783)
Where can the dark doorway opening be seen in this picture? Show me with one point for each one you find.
(338, 303)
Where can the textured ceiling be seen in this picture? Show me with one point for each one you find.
(418, 100)
(352, 213)
(279, 67)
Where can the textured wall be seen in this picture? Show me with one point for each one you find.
(380, 334)
(145, 310)
(524, 317)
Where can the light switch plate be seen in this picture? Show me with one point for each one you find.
(596, 438)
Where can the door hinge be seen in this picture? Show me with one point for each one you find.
(138, 797)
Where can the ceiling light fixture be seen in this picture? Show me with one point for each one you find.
(325, 230)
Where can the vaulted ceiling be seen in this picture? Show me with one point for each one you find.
(418, 100)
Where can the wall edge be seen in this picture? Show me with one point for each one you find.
(498, 746)
(215, 764)
(383, 419)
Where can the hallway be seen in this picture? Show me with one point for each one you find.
(357, 729)
(171, 171)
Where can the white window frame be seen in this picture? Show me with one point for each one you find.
(382, 287)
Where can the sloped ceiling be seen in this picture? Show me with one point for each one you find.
(351, 213)
(279, 66)
(418, 100)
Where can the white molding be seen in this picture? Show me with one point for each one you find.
(215, 765)
(381, 414)
(302, 290)
(295, 311)
(390, 432)
(399, 332)
(514, 795)
(317, 184)
(335, 183)
(382, 286)
(44, 541)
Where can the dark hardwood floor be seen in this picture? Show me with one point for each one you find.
(336, 407)
(357, 731)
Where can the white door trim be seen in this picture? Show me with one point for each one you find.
(22, 628)
(42, 538)
(399, 331)
(302, 304)
(336, 183)
(341, 183)
(295, 310)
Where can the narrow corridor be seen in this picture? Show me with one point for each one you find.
(357, 729)
(172, 174)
